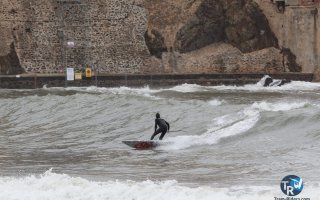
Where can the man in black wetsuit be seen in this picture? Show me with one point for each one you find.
(163, 127)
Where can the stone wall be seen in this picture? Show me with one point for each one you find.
(157, 36)
(297, 30)
(108, 35)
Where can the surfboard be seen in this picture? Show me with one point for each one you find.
(141, 144)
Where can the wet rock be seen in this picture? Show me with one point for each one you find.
(270, 82)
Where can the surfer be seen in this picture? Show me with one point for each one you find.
(164, 126)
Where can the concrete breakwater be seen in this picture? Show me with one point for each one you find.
(33, 81)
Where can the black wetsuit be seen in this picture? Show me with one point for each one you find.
(163, 128)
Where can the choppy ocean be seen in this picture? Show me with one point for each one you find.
(226, 142)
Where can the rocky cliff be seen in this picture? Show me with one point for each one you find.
(297, 30)
(157, 36)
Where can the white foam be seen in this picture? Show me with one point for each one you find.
(215, 102)
(221, 127)
(123, 90)
(52, 186)
(190, 88)
(114, 90)
(292, 86)
(230, 125)
(186, 88)
(279, 106)
(242, 122)
(301, 85)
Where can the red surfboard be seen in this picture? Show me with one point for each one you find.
(141, 145)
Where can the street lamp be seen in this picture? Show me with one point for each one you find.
(70, 44)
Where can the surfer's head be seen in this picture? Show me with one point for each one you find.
(157, 115)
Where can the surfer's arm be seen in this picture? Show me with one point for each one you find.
(155, 125)
(168, 125)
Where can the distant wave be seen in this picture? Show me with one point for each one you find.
(292, 86)
(52, 186)
(186, 88)
(215, 102)
(192, 88)
(279, 106)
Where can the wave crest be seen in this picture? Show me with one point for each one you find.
(52, 186)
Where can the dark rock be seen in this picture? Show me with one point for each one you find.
(155, 43)
(291, 60)
(270, 82)
(267, 81)
(204, 28)
(240, 23)
(284, 82)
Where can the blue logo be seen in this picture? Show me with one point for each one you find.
(291, 185)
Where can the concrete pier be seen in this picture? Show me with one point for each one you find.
(33, 81)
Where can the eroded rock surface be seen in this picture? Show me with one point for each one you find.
(153, 36)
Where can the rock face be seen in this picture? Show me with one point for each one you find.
(147, 36)
(214, 36)
(297, 30)
(240, 23)
(155, 43)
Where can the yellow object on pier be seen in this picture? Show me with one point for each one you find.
(88, 72)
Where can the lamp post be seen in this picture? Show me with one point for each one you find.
(70, 44)
(95, 69)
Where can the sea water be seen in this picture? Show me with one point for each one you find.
(226, 142)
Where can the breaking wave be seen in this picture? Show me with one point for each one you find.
(52, 186)
(279, 106)
(230, 125)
